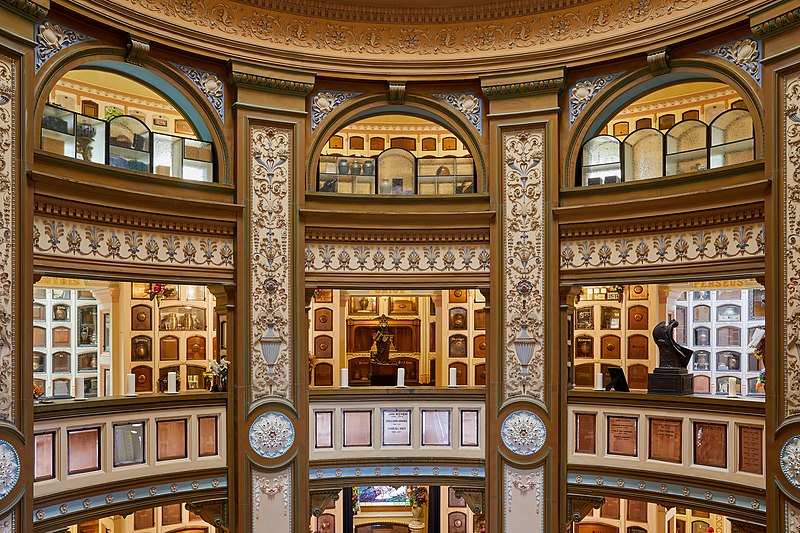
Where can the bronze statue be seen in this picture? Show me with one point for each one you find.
(382, 370)
(670, 353)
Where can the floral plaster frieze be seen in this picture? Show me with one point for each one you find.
(745, 53)
(792, 519)
(524, 261)
(209, 84)
(397, 258)
(468, 104)
(670, 247)
(791, 242)
(523, 432)
(270, 258)
(8, 252)
(584, 90)
(100, 242)
(324, 102)
(8, 524)
(272, 501)
(51, 38)
(9, 468)
(523, 499)
(272, 434)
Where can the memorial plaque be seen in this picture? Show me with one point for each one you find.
(610, 347)
(584, 347)
(637, 376)
(637, 510)
(323, 429)
(751, 444)
(584, 375)
(610, 508)
(711, 444)
(623, 435)
(638, 347)
(397, 427)
(665, 439)
(585, 434)
(357, 428)
(469, 427)
(435, 427)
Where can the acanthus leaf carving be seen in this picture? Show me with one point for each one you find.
(8, 253)
(791, 244)
(209, 84)
(745, 53)
(51, 38)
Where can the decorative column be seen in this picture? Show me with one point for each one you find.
(270, 489)
(780, 29)
(525, 399)
(17, 138)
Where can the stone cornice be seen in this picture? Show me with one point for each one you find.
(29, 9)
(777, 24)
(252, 81)
(96, 214)
(512, 90)
(418, 236)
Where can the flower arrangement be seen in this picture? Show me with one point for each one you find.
(160, 290)
(217, 374)
(417, 495)
(356, 506)
(758, 345)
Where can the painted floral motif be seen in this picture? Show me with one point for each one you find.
(523, 249)
(271, 486)
(584, 90)
(9, 468)
(518, 483)
(51, 38)
(791, 244)
(397, 258)
(272, 434)
(745, 53)
(209, 84)
(324, 102)
(674, 247)
(270, 257)
(8, 254)
(468, 104)
(55, 236)
(790, 460)
(523, 432)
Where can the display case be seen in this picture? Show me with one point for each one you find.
(58, 131)
(445, 175)
(182, 318)
(396, 172)
(732, 138)
(601, 161)
(128, 143)
(198, 162)
(167, 160)
(87, 325)
(90, 134)
(644, 155)
(350, 175)
(686, 148)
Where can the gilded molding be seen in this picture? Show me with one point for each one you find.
(468, 104)
(524, 260)
(584, 90)
(775, 25)
(51, 38)
(397, 258)
(209, 84)
(8, 252)
(513, 90)
(324, 102)
(67, 238)
(137, 51)
(439, 236)
(745, 53)
(28, 8)
(791, 242)
(270, 258)
(240, 79)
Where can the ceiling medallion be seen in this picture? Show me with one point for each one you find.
(9, 468)
(272, 434)
(790, 460)
(523, 432)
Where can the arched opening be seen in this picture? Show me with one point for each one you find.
(395, 154)
(116, 119)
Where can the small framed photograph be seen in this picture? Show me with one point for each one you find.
(160, 121)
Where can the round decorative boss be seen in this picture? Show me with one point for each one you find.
(790, 460)
(272, 434)
(523, 432)
(9, 468)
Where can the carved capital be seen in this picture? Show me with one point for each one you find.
(137, 50)
(579, 505)
(740, 526)
(275, 85)
(26, 8)
(397, 92)
(658, 61)
(321, 500)
(474, 497)
(214, 512)
(770, 28)
(512, 90)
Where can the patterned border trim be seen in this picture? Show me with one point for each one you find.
(65, 238)
(684, 491)
(745, 53)
(209, 84)
(324, 102)
(468, 104)
(140, 493)
(32, 9)
(792, 518)
(389, 471)
(398, 258)
(240, 79)
(512, 90)
(584, 90)
(51, 38)
(8, 254)
(777, 24)
(270, 213)
(523, 260)
(791, 242)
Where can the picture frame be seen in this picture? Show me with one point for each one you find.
(160, 121)
(363, 305)
(638, 292)
(402, 305)
(182, 126)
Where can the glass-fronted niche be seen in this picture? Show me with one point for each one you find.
(108, 119)
(171, 517)
(93, 334)
(613, 325)
(395, 155)
(687, 128)
(438, 338)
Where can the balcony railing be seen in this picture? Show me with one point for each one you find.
(125, 142)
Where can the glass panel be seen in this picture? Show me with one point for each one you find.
(702, 337)
(702, 360)
(90, 139)
(701, 313)
(729, 313)
(609, 318)
(686, 147)
(644, 155)
(731, 126)
(396, 172)
(129, 144)
(198, 163)
(58, 131)
(87, 325)
(729, 361)
(601, 161)
(182, 318)
(44, 456)
(732, 153)
(445, 175)
(129, 444)
(166, 155)
(729, 336)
